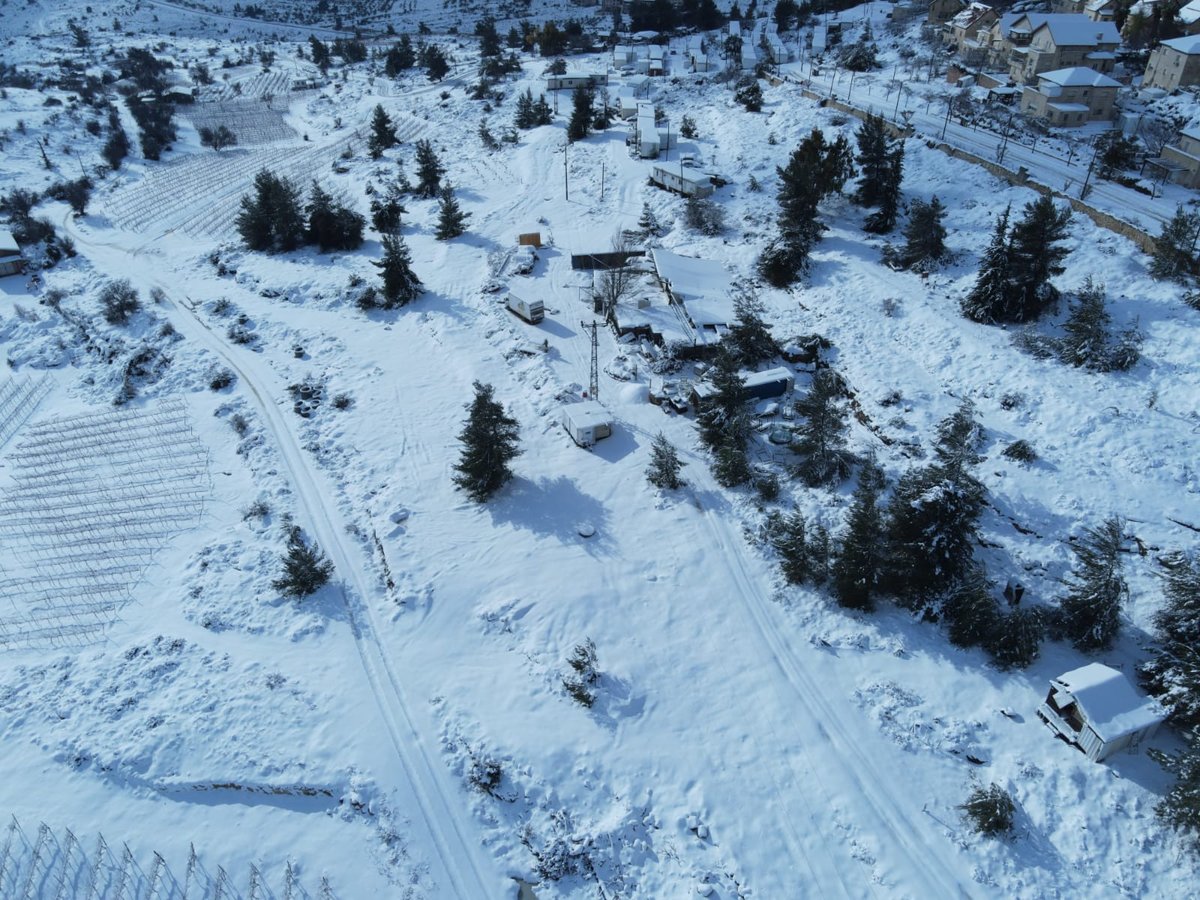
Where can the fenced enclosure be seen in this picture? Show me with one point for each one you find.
(254, 122)
(19, 398)
(93, 498)
(198, 194)
(263, 84)
(45, 864)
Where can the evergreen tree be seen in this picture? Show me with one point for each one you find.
(486, 137)
(924, 236)
(116, 148)
(320, 53)
(874, 150)
(434, 60)
(581, 114)
(857, 564)
(490, 442)
(749, 94)
(383, 133)
(722, 416)
(400, 284)
(524, 116)
(429, 171)
(969, 610)
(748, 336)
(1017, 638)
(883, 220)
(305, 569)
(332, 226)
(1175, 248)
(452, 221)
(1173, 673)
(1086, 342)
(1180, 806)
(1036, 255)
(959, 439)
(648, 224)
(730, 465)
(665, 464)
(386, 210)
(271, 217)
(543, 114)
(787, 536)
(1091, 609)
(988, 299)
(489, 37)
(822, 442)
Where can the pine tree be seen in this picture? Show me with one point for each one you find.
(924, 236)
(490, 442)
(1180, 806)
(1086, 342)
(1091, 609)
(883, 220)
(749, 337)
(320, 53)
(332, 226)
(434, 60)
(1175, 248)
(525, 117)
(429, 170)
(305, 569)
(400, 284)
(970, 610)
(822, 439)
(543, 114)
(873, 161)
(749, 94)
(730, 466)
(452, 221)
(1037, 254)
(788, 538)
(486, 137)
(383, 133)
(959, 439)
(857, 563)
(271, 217)
(988, 300)
(722, 416)
(580, 124)
(648, 224)
(1173, 673)
(665, 464)
(400, 57)
(116, 148)
(386, 211)
(1017, 638)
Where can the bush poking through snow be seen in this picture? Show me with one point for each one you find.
(485, 775)
(119, 301)
(305, 569)
(580, 685)
(1021, 451)
(990, 810)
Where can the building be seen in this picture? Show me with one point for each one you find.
(1189, 17)
(568, 81)
(942, 11)
(1100, 10)
(1181, 161)
(683, 179)
(1045, 43)
(961, 31)
(759, 385)
(1096, 709)
(1174, 64)
(1068, 98)
(700, 288)
(11, 260)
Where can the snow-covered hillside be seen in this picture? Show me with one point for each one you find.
(173, 727)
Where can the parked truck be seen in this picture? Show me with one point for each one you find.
(532, 311)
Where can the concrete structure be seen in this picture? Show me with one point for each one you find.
(1182, 161)
(1068, 98)
(961, 31)
(1045, 43)
(942, 11)
(1096, 709)
(1174, 64)
(1189, 17)
(11, 260)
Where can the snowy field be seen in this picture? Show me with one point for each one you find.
(172, 727)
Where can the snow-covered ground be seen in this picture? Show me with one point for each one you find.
(748, 737)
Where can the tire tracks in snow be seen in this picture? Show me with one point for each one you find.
(430, 788)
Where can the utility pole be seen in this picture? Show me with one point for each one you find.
(1083, 191)
(945, 124)
(601, 181)
(566, 181)
(594, 373)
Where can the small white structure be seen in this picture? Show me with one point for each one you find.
(1097, 709)
(11, 260)
(646, 135)
(683, 180)
(568, 81)
(586, 422)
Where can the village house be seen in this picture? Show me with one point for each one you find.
(961, 31)
(1174, 64)
(1096, 10)
(686, 180)
(1068, 98)
(11, 260)
(1096, 709)
(568, 81)
(1045, 43)
(1189, 17)
(1181, 161)
(942, 11)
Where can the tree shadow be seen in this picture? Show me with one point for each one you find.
(554, 508)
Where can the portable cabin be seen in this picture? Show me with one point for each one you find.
(759, 385)
(568, 81)
(647, 136)
(532, 311)
(586, 422)
(683, 180)
(657, 64)
(11, 260)
(1096, 709)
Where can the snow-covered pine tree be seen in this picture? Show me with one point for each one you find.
(1180, 806)
(1037, 254)
(924, 236)
(730, 466)
(332, 226)
(970, 610)
(648, 224)
(543, 114)
(989, 297)
(523, 118)
(387, 209)
(305, 569)
(383, 132)
(1017, 638)
(400, 284)
(491, 440)
(663, 471)
(1173, 673)
(1174, 256)
(883, 220)
(1092, 606)
(580, 124)
(1086, 342)
(822, 436)
(749, 337)
(722, 416)
(872, 160)
(452, 221)
(429, 170)
(857, 563)
(787, 534)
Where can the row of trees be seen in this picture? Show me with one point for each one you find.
(272, 218)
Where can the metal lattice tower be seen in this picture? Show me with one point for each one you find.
(594, 373)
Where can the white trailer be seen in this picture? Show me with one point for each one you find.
(532, 311)
(586, 422)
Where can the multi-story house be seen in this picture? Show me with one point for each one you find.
(1068, 98)
(1174, 64)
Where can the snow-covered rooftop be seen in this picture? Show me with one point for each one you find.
(1112, 706)
(1078, 76)
(1188, 44)
(1189, 13)
(8, 244)
(1077, 30)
